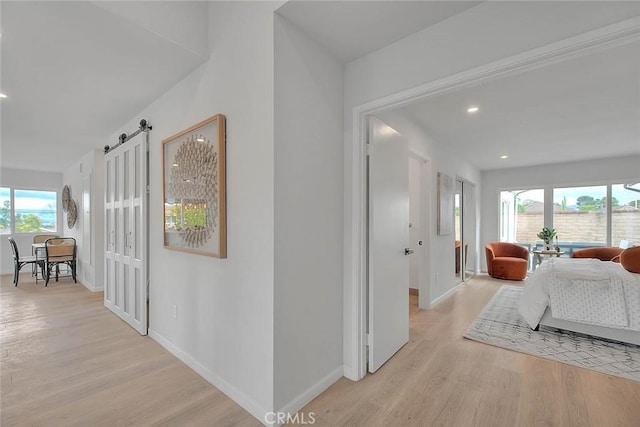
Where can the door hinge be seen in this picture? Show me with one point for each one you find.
(367, 149)
(369, 340)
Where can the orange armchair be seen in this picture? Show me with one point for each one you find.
(507, 260)
(603, 253)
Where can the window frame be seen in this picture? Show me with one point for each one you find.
(548, 194)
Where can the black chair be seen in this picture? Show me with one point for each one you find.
(19, 262)
(59, 251)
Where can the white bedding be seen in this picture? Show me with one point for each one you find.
(587, 290)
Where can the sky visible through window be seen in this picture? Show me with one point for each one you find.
(34, 203)
(623, 196)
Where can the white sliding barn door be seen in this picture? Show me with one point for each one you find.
(388, 243)
(126, 200)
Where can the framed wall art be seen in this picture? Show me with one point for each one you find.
(445, 204)
(194, 189)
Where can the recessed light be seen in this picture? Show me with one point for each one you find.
(473, 109)
(504, 157)
(200, 139)
(2, 95)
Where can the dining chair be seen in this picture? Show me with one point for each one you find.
(19, 262)
(39, 239)
(59, 251)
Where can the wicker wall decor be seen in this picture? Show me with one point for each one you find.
(72, 213)
(194, 189)
(66, 196)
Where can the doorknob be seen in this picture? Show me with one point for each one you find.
(408, 251)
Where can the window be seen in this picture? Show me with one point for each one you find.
(580, 214)
(598, 215)
(32, 211)
(5, 210)
(625, 214)
(522, 215)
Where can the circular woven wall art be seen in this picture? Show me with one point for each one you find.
(72, 213)
(66, 196)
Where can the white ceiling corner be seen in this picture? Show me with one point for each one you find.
(351, 29)
(77, 71)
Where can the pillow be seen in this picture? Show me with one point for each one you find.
(630, 259)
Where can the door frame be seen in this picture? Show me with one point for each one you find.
(355, 253)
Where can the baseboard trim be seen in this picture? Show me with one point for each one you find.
(91, 288)
(350, 373)
(312, 392)
(446, 295)
(231, 391)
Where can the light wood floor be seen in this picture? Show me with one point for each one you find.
(68, 361)
(63, 363)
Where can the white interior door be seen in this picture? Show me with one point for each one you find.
(126, 232)
(388, 328)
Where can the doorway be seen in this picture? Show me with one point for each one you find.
(397, 230)
(388, 243)
(419, 292)
(465, 230)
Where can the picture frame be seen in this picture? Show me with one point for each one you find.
(194, 189)
(445, 204)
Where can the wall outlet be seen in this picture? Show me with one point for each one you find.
(174, 311)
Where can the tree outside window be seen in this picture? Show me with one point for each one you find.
(5, 210)
(35, 211)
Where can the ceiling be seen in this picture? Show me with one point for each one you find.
(579, 109)
(351, 29)
(74, 72)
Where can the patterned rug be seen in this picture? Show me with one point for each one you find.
(500, 325)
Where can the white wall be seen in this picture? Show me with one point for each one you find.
(308, 218)
(621, 170)
(90, 269)
(27, 180)
(224, 325)
(481, 35)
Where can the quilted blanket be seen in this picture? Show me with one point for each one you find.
(583, 290)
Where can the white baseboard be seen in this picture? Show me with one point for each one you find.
(236, 395)
(312, 392)
(446, 295)
(350, 373)
(91, 287)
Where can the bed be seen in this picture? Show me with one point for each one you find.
(589, 296)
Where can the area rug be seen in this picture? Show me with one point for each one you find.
(500, 325)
